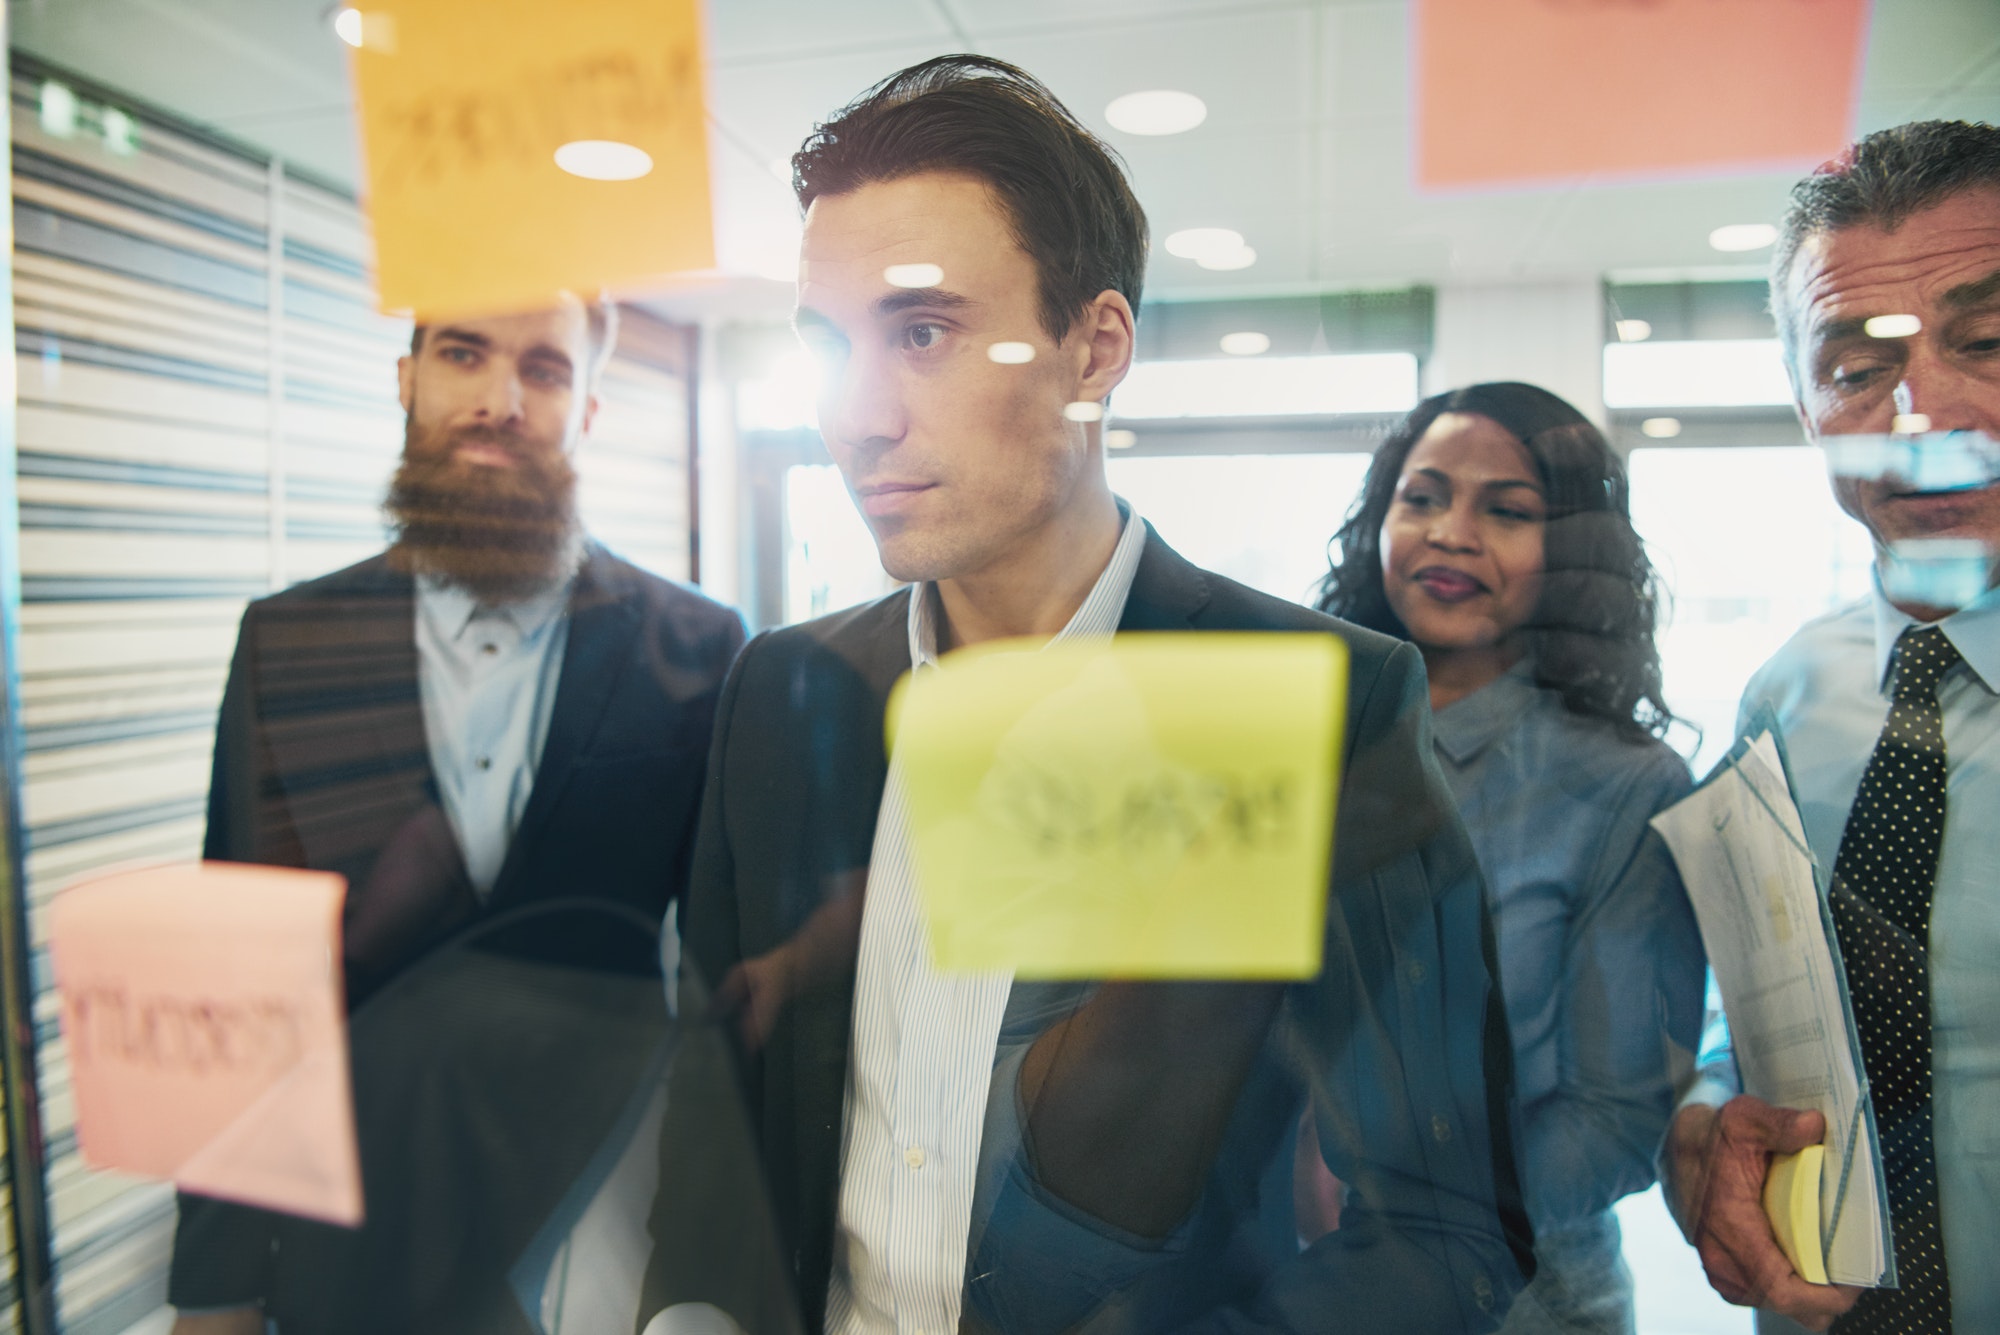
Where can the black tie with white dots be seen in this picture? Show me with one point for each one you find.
(1882, 884)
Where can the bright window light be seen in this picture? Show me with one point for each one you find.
(1156, 111)
(785, 398)
(1718, 373)
(1368, 382)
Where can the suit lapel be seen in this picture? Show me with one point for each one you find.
(602, 625)
(1167, 590)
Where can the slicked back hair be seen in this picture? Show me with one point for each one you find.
(1879, 182)
(1064, 189)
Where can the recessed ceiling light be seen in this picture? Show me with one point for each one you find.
(1118, 438)
(1910, 424)
(1661, 428)
(1011, 354)
(1156, 111)
(1191, 243)
(1248, 343)
(1240, 258)
(1743, 236)
(1892, 326)
(1084, 410)
(604, 160)
(913, 275)
(347, 26)
(1634, 331)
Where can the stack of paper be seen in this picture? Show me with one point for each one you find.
(1742, 852)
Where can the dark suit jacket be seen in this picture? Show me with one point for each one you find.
(1400, 1046)
(321, 761)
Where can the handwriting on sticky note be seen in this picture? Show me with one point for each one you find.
(463, 105)
(203, 1012)
(1145, 806)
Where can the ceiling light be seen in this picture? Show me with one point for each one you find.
(1118, 438)
(1892, 326)
(1633, 331)
(1240, 258)
(1157, 111)
(1661, 428)
(1191, 243)
(348, 26)
(1246, 344)
(604, 160)
(1743, 236)
(1910, 424)
(1011, 354)
(58, 109)
(913, 275)
(1084, 410)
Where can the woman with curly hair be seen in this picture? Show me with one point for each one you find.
(1493, 531)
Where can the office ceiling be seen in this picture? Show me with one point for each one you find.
(1305, 150)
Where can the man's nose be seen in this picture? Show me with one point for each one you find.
(861, 406)
(1951, 398)
(500, 397)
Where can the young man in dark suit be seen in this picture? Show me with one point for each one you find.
(886, 1148)
(495, 714)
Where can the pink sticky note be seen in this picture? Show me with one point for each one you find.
(207, 1034)
(1523, 91)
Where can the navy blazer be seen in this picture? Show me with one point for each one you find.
(1399, 1048)
(321, 761)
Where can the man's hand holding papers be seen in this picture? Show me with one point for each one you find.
(1717, 1160)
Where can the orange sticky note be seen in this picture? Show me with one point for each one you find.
(1552, 90)
(207, 1036)
(465, 106)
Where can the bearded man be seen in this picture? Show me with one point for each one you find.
(493, 717)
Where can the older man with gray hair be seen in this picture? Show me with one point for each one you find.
(1890, 711)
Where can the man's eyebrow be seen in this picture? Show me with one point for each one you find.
(1976, 293)
(905, 299)
(458, 335)
(548, 352)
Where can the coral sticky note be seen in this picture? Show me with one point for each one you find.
(1562, 90)
(466, 107)
(206, 1029)
(1145, 806)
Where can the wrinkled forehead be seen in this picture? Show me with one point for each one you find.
(1935, 259)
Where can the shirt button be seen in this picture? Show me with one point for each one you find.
(914, 1156)
(485, 762)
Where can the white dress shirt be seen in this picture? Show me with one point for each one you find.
(921, 1057)
(488, 679)
(1830, 690)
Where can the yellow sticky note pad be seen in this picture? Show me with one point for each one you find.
(1148, 806)
(1791, 1201)
(464, 105)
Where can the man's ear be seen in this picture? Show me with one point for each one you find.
(1109, 337)
(406, 381)
(590, 405)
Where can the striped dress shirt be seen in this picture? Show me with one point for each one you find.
(922, 1057)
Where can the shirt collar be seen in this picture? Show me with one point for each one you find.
(1103, 607)
(1974, 630)
(1467, 726)
(452, 609)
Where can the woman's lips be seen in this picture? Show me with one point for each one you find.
(1449, 586)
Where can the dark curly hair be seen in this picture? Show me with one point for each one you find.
(1064, 189)
(1591, 635)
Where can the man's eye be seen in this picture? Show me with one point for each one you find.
(458, 356)
(923, 337)
(1847, 376)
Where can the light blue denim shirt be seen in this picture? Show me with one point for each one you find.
(1600, 959)
(1829, 687)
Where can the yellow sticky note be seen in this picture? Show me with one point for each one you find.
(1147, 806)
(1791, 1201)
(207, 1033)
(464, 108)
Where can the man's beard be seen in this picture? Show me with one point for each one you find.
(501, 534)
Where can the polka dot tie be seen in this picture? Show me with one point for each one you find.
(1881, 894)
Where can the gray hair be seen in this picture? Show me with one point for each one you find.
(1879, 182)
